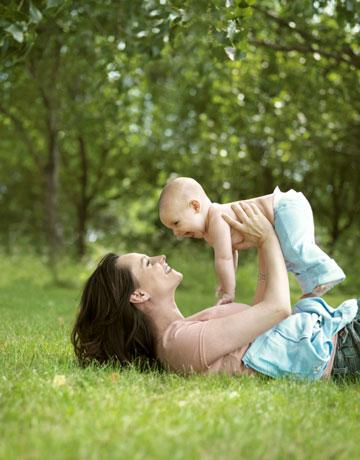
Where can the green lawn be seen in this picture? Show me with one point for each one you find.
(49, 408)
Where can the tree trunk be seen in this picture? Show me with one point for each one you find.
(82, 208)
(82, 229)
(51, 183)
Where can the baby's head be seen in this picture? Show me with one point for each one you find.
(183, 207)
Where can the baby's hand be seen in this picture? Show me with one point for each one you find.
(226, 298)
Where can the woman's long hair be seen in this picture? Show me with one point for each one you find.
(109, 328)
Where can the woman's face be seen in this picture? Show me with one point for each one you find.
(152, 273)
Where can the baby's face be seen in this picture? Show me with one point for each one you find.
(185, 222)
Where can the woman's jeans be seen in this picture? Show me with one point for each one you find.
(347, 355)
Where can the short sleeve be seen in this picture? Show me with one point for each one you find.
(182, 347)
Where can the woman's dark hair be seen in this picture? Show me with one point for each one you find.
(109, 328)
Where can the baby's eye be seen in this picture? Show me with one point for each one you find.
(148, 262)
(176, 222)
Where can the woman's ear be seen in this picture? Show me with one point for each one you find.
(139, 296)
(195, 204)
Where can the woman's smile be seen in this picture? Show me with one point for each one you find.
(167, 268)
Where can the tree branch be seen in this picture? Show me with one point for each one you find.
(311, 43)
(300, 48)
(286, 24)
(105, 203)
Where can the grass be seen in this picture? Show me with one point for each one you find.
(49, 408)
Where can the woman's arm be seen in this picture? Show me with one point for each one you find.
(261, 281)
(224, 335)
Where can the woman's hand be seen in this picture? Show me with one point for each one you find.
(251, 223)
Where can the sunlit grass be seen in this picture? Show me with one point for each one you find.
(50, 408)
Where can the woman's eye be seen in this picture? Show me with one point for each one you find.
(148, 262)
(175, 223)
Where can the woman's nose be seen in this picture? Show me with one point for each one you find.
(161, 259)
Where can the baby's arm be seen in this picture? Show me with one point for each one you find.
(219, 232)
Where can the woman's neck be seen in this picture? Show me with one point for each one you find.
(162, 313)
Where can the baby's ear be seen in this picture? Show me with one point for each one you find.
(195, 204)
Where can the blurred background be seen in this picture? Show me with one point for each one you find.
(103, 101)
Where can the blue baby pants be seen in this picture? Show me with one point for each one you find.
(294, 225)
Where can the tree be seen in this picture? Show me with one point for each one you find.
(111, 99)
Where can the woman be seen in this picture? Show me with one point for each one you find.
(128, 311)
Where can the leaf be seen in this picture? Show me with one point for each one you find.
(349, 5)
(35, 14)
(231, 52)
(114, 376)
(231, 29)
(59, 380)
(234, 54)
(53, 3)
(16, 32)
(4, 45)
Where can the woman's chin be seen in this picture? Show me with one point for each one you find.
(179, 276)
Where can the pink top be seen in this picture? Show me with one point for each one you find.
(181, 348)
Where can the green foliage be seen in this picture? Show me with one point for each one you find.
(148, 25)
(107, 100)
(19, 23)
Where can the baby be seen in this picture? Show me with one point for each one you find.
(185, 208)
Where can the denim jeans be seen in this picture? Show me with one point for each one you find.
(302, 344)
(294, 226)
(347, 355)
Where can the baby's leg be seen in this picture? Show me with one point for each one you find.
(294, 225)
